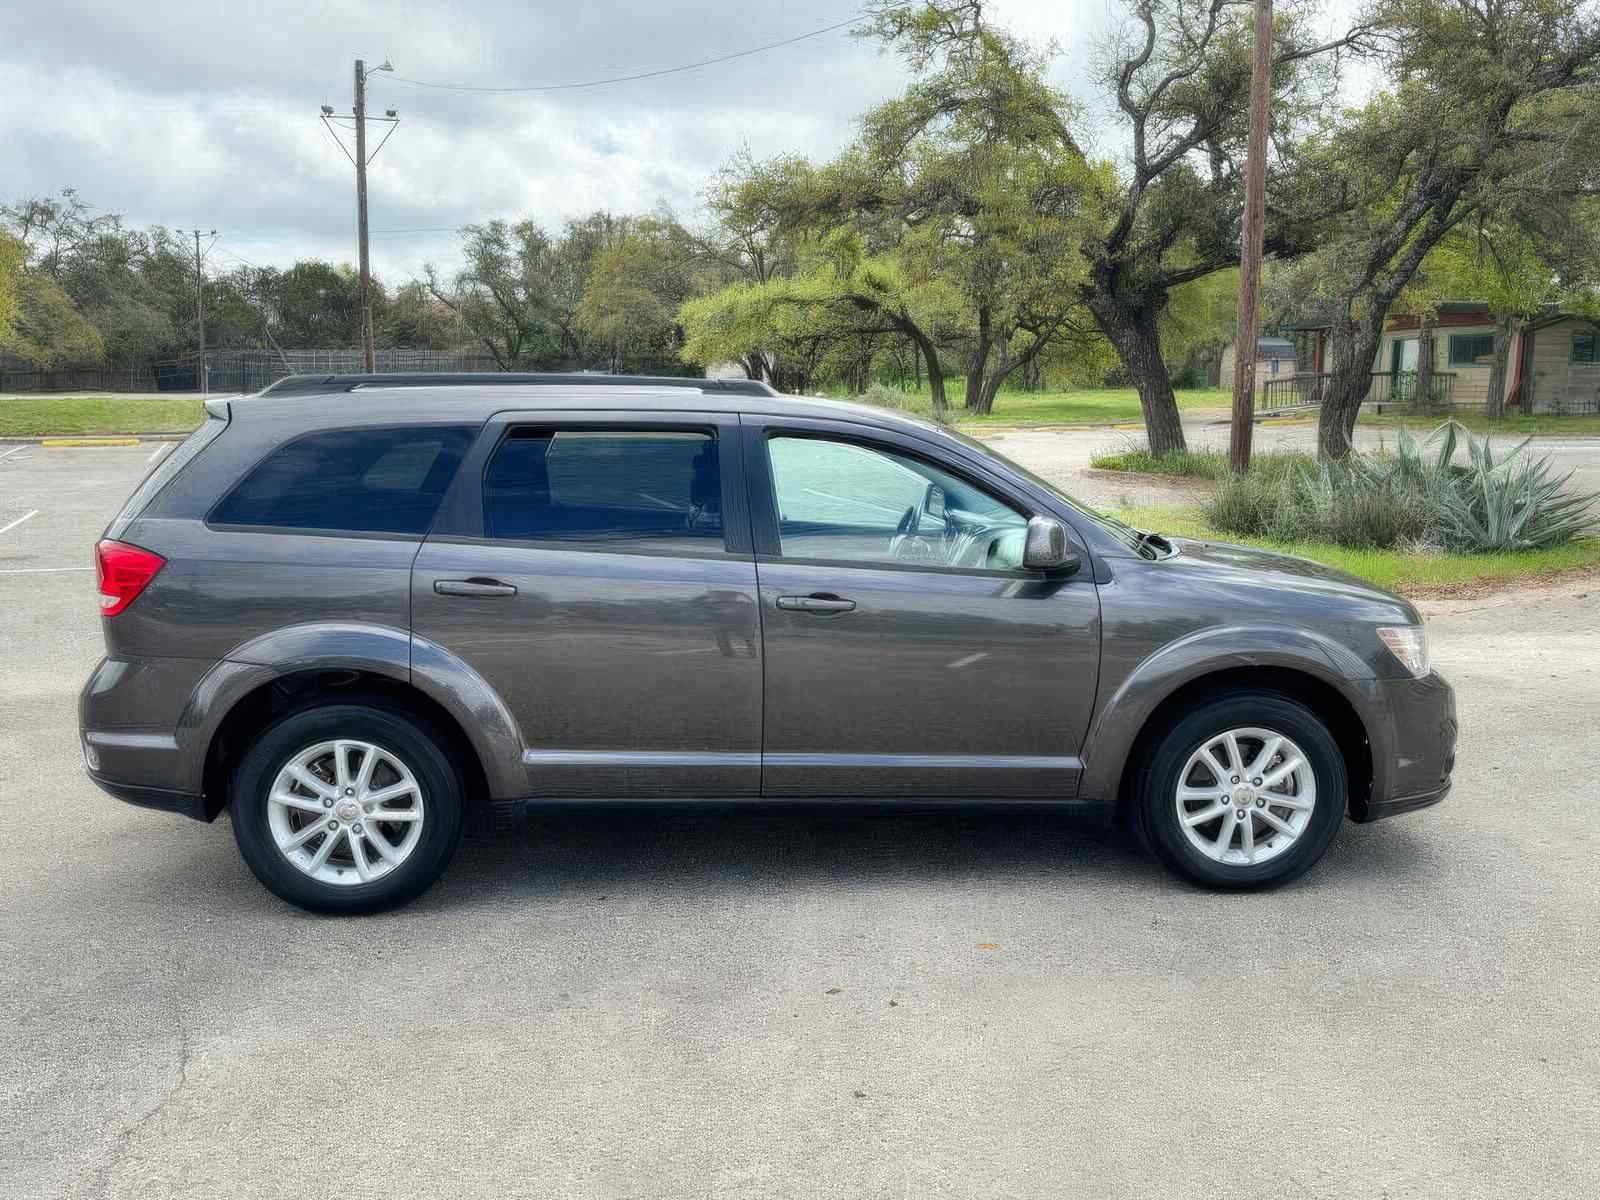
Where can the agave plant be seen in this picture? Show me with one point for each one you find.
(1513, 503)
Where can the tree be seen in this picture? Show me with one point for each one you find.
(48, 330)
(633, 292)
(1492, 110)
(972, 177)
(1181, 85)
(11, 258)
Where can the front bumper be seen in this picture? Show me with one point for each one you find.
(1413, 747)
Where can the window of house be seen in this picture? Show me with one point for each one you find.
(1584, 349)
(1467, 348)
(659, 488)
(387, 480)
(845, 501)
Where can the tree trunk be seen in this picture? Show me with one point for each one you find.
(979, 360)
(1505, 329)
(1033, 374)
(989, 383)
(1133, 334)
(1427, 351)
(1349, 380)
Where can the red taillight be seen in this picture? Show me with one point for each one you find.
(124, 572)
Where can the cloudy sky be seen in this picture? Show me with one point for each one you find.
(205, 114)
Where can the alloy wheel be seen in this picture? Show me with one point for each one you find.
(345, 812)
(1245, 796)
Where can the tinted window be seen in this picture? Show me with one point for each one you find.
(353, 480)
(840, 500)
(1467, 348)
(1583, 348)
(660, 488)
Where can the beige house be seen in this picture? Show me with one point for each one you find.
(1553, 365)
(1274, 359)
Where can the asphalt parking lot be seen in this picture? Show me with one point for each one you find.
(654, 1002)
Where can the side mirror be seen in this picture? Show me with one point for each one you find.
(1046, 547)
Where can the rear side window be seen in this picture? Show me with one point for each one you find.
(351, 481)
(656, 488)
(166, 470)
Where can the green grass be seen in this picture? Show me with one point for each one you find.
(1401, 571)
(1199, 464)
(1082, 406)
(73, 415)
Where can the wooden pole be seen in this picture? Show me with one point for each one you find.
(1255, 219)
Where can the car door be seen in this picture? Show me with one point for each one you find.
(907, 652)
(596, 570)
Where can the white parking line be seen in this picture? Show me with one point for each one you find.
(40, 570)
(8, 528)
(15, 450)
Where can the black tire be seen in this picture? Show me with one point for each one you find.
(422, 750)
(1155, 810)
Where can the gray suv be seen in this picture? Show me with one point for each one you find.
(357, 612)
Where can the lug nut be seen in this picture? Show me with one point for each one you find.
(1236, 779)
(1256, 782)
(349, 791)
(356, 829)
(1261, 801)
(333, 824)
(327, 802)
(1240, 814)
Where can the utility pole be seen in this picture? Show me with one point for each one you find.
(200, 305)
(361, 158)
(1250, 243)
(368, 352)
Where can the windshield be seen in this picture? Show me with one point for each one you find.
(1126, 534)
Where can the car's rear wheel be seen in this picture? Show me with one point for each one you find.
(347, 808)
(1245, 791)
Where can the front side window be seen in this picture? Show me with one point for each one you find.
(649, 488)
(844, 501)
(387, 480)
(1583, 348)
(1467, 348)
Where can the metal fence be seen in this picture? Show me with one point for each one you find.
(252, 370)
(1386, 389)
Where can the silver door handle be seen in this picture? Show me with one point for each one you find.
(473, 587)
(816, 604)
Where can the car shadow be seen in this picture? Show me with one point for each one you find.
(599, 850)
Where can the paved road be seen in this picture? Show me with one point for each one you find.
(787, 1003)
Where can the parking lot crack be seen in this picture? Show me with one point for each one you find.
(125, 1138)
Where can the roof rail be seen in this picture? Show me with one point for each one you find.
(291, 385)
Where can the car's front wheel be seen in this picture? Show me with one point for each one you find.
(347, 808)
(1245, 791)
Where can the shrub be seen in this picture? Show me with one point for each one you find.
(1417, 496)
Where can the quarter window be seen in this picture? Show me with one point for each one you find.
(844, 501)
(660, 489)
(387, 480)
(1467, 348)
(1583, 348)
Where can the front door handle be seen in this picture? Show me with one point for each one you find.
(473, 587)
(821, 602)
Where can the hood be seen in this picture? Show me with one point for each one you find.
(1254, 571)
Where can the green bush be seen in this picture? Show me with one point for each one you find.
(1417, 496)
(1199, 464)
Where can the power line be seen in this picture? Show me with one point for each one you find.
(588, 83)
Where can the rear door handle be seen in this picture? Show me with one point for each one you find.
(473, 587)
(822, 602)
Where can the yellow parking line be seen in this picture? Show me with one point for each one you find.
(53, 443)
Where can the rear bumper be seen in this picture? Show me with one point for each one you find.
(185, 804)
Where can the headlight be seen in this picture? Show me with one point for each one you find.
(1408, 643)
